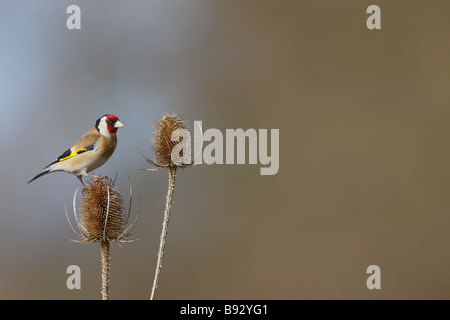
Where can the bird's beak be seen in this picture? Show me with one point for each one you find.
(118, 124)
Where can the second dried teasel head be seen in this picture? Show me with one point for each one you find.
(172, 147)
(171, 143)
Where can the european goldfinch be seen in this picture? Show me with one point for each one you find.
(91, 151)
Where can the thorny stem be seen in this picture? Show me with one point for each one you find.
(105, 269)
(105, 257)
(172, 174)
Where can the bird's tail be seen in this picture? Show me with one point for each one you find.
(43, 173)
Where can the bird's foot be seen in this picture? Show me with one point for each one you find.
(96, 178)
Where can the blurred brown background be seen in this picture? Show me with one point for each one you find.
(364, 146)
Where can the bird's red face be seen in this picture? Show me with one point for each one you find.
(113, 123)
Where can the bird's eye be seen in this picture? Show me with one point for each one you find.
(110, 122)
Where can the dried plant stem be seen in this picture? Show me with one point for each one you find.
(171, 187)
(105, 269)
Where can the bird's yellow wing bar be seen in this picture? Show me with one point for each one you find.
(69, 153)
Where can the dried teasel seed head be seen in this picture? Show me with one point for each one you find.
(162, 140)
(102, 216)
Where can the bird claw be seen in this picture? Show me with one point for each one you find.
(96, 178)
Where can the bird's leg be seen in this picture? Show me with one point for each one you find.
(81, 179)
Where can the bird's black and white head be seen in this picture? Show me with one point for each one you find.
(108, 124)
